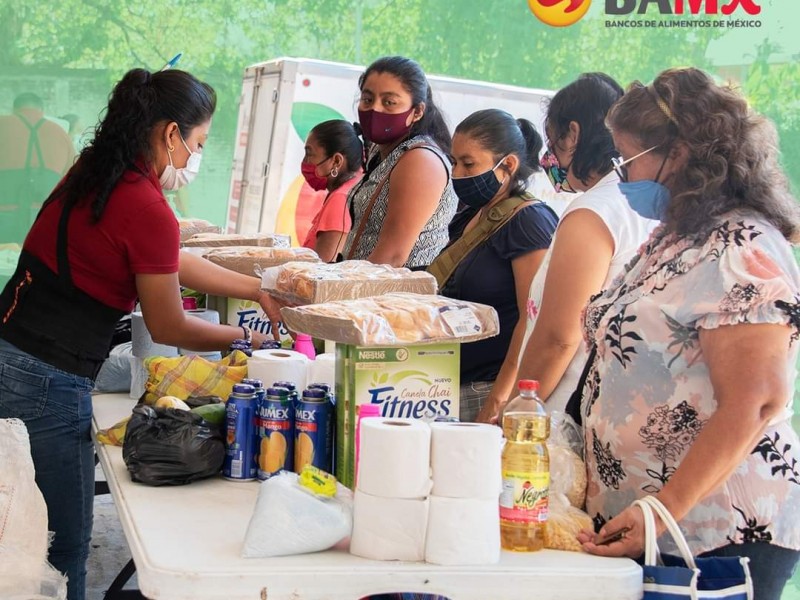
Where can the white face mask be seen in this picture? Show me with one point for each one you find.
(173, 179)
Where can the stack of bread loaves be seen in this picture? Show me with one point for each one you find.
(395, 519)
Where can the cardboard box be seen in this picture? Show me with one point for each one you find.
(414, 381)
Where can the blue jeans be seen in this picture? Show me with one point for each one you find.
(56, 407)
(770, 566)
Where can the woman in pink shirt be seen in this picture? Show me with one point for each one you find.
(332, 162)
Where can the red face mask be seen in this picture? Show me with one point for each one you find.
(384, 128)
(309, 171)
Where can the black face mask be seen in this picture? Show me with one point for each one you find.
(478, 190)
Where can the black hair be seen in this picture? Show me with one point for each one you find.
(140, 101)
(586, 101)
(415, 83)
(341, 136)
(501, 134)
(28, 100)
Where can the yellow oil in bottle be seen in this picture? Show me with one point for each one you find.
(526, 472)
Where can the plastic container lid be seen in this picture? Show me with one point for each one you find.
(528, 384)
(279, 391)
(256, 383)
(314, 394)
(243, 388)
(320, 386)
(285, 384)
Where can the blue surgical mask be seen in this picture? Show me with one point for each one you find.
(478, 190)
(647, 198)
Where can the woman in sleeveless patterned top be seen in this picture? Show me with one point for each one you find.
(402, 207)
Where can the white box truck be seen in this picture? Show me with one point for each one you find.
(282, 100)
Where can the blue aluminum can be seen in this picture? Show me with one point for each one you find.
(313, 422)
(275, 432)
(240, 434)
(289, 386)
(258, 385)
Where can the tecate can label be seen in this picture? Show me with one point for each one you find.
(274, 436)
(313, 444)
(240, 451)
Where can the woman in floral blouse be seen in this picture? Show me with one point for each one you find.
(688, 397)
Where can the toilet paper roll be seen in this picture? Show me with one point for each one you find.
(463, 531)
(394, 459)
(138, 377)
(279, 365)
(389, 528)
(465, 460)
(209, 316)
(142, 344)
(322, 369)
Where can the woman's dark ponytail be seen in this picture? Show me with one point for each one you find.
(139, 101)
(533, 145)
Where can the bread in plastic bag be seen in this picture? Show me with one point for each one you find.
(564, 523)
(214, 240)
(289, 519)
(190, 227)
(393, 319)
(299, 283)
(25, 573)
(567, 469)
(252, 260)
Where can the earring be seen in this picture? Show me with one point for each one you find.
(335, 172)
(171, 148)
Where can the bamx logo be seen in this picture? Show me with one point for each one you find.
(559, 13)
(694, 7)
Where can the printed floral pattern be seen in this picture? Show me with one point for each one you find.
(648, 395)
(608, 467)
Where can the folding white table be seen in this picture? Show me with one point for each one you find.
(186, 543)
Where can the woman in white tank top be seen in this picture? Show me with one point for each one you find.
(597, 235)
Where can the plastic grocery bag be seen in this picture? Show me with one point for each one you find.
(115, 373)
(288, 519)
(25, 573)
(567, 469)
(168, 446)
(564, 523)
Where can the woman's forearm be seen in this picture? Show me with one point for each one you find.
(546, 358)
(204, 276)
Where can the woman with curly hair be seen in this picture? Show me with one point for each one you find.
(105, 237)
(688, 398)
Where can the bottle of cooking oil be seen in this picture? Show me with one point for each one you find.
(526, 471)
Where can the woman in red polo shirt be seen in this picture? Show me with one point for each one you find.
(105, 237)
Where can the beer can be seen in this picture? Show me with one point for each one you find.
(240, 450)
(275, 432)
(313, 430)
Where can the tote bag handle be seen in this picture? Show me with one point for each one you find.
(650, 505)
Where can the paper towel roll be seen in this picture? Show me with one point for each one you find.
(142, 344)
(209, 316)
(389, 528)
(465, 460)
(463, 531)
(394, 459)
(322, 369)
(279, 365)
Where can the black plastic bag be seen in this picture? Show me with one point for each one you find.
(167, 446)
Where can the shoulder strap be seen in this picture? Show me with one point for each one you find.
(33, 142)
(443, 267)
(374, 198)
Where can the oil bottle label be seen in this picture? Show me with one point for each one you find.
(524, 497)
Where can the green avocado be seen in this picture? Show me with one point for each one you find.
(213, 413)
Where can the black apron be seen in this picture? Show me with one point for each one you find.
(44, 314)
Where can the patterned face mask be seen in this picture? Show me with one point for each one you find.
(555, 172)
